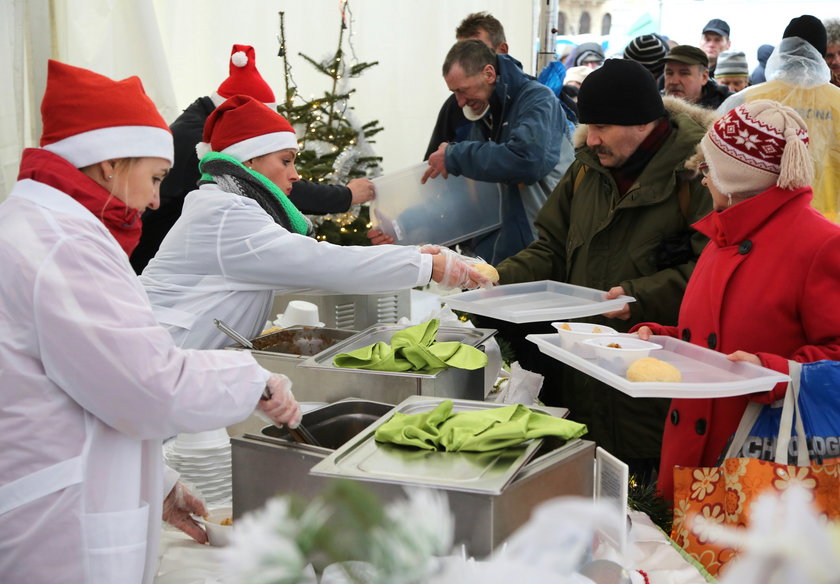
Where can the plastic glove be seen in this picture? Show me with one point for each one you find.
(282, 408)
(178, 507)
(451, 271)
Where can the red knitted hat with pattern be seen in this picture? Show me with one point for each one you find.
(757, 145)
(245, 128)
(244, 79)
(89, 118)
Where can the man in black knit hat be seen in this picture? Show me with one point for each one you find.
(618, 221)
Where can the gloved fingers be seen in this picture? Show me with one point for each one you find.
(189, 499)
(281, 408)
(430, 249)
(189, 526)
(476, 279)
(177, 507)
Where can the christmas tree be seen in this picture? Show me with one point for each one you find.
(335, 147)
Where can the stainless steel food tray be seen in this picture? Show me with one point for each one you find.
(365, 459)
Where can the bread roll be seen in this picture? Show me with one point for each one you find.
(488, 272)
(651, 369)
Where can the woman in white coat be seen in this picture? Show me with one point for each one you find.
(90, 384)
(239, 239)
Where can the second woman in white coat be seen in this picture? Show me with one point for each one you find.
(239, 239)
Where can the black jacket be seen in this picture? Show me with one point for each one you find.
(713, 95)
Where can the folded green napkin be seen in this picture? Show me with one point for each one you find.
(479, 430)
(413, 349)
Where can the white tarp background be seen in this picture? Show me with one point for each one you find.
(180, 49)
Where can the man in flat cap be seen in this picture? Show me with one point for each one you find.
(687, 77)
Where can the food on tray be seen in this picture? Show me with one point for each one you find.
(614, 346)
(488, 272)
(226, 521)
(565, 327)
(652, 369)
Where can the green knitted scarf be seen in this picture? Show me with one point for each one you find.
(232, 176)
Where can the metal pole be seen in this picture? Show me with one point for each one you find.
(548, 34)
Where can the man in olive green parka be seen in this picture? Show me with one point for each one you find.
(619, 221)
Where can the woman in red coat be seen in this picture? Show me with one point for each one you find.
(766, 287)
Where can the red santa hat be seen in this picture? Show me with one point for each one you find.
(245, 128)
(89, 118)
(244, 79)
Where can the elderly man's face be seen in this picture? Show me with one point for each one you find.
(713, 45)
(685, 81)
(735, 84)
(471, 90)
(614, 144)
(832, 59)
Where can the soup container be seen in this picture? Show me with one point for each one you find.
(620, 351)
(572, 338)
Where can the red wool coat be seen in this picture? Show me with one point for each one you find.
(767, 283)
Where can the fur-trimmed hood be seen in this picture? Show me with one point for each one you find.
(674, 105)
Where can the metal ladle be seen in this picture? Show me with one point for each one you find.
(299, 434)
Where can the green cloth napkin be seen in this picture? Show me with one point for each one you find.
(478, 431)
(413, 349)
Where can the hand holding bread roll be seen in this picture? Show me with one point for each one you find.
(488, 272)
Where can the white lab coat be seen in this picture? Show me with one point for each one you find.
(89, 386)
(225, 258)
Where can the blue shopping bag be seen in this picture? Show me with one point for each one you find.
(818, 402)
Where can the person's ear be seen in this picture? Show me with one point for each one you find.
(489, 74)
(107, 168)
(503, 48)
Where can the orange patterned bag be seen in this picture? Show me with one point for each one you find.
(724, 494)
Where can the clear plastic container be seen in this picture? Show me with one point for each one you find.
(442, 211)
(620, 352)
(541, 301)
(572, 334)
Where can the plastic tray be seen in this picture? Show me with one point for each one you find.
(535, 301)
(442, 211)
(705, 373)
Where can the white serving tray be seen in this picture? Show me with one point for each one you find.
(705, 373)
(539, 301)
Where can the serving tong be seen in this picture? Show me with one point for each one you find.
(300, 434)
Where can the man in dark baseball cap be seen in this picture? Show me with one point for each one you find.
(714, 41)
(687, 77)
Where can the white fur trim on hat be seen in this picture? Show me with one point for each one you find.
(219, 100)
(95, 146)
(259, 145)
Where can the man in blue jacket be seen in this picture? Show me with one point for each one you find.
(518, 138)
